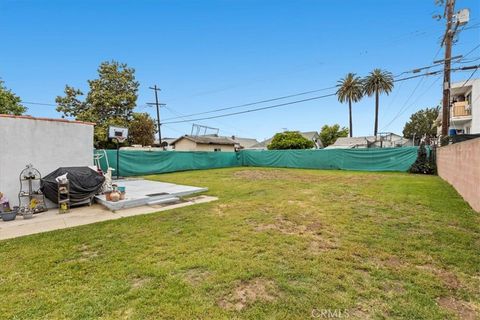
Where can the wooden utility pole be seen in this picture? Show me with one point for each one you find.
(156, 89)
(448, 39)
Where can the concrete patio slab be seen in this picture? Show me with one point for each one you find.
(140, 192)
(52, 220)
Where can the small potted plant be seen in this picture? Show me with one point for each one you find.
(9, 215)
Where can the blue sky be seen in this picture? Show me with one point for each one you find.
(211, 54)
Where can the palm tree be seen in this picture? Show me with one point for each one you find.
(378, 81)
(350, 90)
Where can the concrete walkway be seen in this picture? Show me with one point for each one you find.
(51, 220)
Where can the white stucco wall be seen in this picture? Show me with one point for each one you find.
(188, 145)
(45, 143)
(185, 145)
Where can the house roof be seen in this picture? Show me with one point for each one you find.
(352, 142)
(206, 140)
(46, 119)
(309, 134)
(462, 87)
(244, 142)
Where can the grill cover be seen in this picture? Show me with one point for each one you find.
(85, 183)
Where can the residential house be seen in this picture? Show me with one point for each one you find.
(391, 140)
(464, 108)
(383, 140)
(310, 135)
(353, 143)
(203, 143)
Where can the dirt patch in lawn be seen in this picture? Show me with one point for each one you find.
(139, 282)
(321, 239)
(461, 309)
(86, 253)
(249, 292)
(222, 208)
(393, 288)
(320, 245)
(448, 278)
(262, 175)
(299, 204)
(196, 276)
(255, 175)
(369, 309)
(284, 226)
(393, 262)
(301, 176)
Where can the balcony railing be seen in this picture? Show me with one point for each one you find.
(460, 109)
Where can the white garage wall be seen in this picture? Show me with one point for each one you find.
(45, 143)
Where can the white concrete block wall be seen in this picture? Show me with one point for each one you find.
(45, 143)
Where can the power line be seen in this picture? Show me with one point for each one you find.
(419, 75)
(437, 72)
(468, 61)
(254, 110)
(269, 100)
(456, 59)
(279, 98)
(251, 103)
(39, 103)
(475, 48)
(411, 95)
(427, 74)
(400, 111)
(463, 85)
(309, 99)
(218, 121)
(395, 96)
(412, 104)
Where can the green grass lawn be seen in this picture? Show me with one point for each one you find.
(278, 243)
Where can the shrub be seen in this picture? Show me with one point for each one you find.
(290, 140)
(425, 164)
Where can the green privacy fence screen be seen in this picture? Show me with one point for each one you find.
(381, 159)
(135, 163)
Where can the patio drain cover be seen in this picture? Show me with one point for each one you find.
(157, 194)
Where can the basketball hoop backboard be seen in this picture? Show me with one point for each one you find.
(118, 133)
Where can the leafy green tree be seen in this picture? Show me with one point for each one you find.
(142, 129)
(110, 100)
(421, 124)
(10, 103)
(330, 134)
(350, 90)
(377, 82)
(290, 140)
(71, 106)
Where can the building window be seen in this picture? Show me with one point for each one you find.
(469, 99)
(217, 149)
